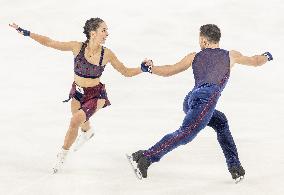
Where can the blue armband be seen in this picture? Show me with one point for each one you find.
(25, 32)
(145, 68)
(268, 55)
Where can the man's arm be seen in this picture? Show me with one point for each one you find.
(169, 70)
(256, 60)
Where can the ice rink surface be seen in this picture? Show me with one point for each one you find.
(35, 80)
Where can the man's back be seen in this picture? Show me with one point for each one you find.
(211, 66)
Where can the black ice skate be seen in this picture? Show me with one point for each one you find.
(134, 166)
(237, 173)
(137, 155)
(142, 163)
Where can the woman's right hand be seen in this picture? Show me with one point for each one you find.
(20, 30)
(15, 26)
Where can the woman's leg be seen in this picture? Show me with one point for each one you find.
(75, 106)
(79, 119)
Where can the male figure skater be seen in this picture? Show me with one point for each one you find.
(211, 68)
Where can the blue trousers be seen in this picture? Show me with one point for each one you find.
(199, 106)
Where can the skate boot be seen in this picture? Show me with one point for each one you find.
(82, 139)
(143, 165)
(137, 155)
(61, 157)
(237, 173)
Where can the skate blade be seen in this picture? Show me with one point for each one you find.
(76, 148)
(239, 179)
(54, 170)
(134, 167)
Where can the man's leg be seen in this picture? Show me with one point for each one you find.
(220, 124)
(200, 105)
(195, 120)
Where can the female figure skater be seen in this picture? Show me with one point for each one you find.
(87, 93)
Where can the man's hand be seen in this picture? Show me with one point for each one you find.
(147, 65)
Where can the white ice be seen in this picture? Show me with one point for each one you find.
(35, 79)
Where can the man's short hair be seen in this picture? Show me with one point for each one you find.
(211, 32)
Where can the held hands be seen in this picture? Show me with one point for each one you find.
(20, 30)
(147, 65)
(268, 55)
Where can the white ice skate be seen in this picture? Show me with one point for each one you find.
(61, 157)
(82, 139)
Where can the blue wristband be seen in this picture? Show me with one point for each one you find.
(268, 55)
(145, 68)
(25, 32)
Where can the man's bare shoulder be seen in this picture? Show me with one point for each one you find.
(235, 54)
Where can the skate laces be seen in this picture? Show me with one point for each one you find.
(61, 156)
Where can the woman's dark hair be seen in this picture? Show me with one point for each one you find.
(211, 32)
(91, 25)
